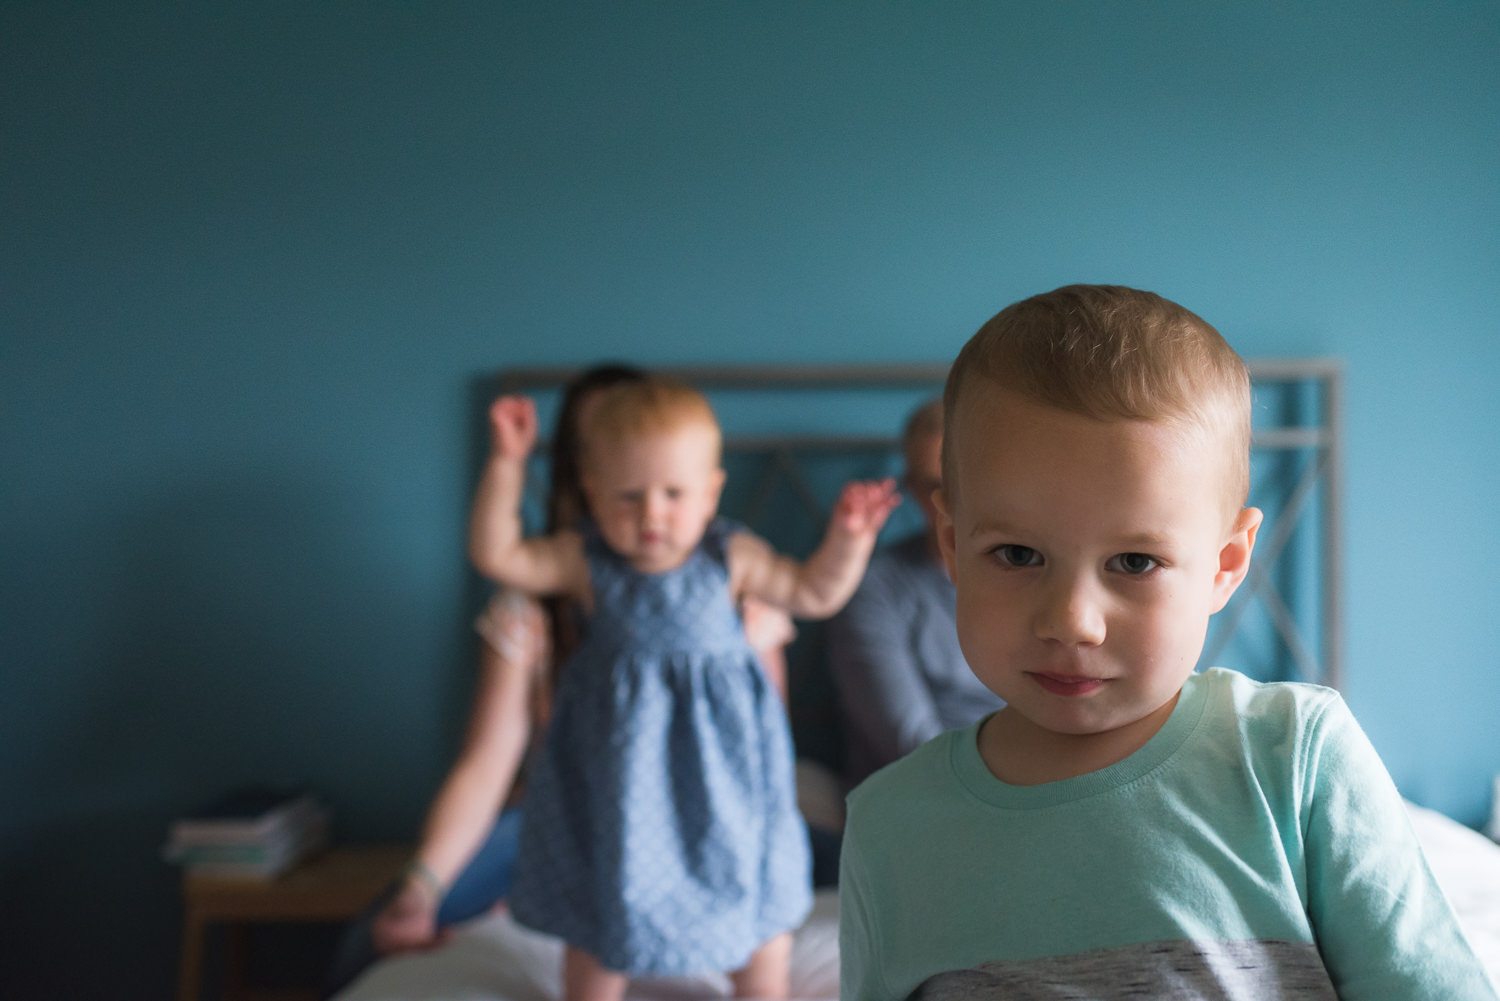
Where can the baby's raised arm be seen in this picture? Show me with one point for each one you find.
(548, 564)
(822, 585)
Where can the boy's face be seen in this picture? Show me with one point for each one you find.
(653, 495)
(1088, 557)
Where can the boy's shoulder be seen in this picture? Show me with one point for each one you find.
(1281, 731)
(1267, 705)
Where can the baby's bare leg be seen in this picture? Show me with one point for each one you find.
(585, 980)
(768, 974)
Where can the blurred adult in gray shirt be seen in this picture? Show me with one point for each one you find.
(894, 649)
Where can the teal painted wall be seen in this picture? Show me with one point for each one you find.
(253, 255)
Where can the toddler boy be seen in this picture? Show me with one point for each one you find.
(1124, 827)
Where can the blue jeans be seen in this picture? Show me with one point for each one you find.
(487, 877)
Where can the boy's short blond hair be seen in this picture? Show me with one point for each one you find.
(1111, 353)
(653, 405)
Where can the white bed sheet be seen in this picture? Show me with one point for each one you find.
(1467, 867)
(495, 959)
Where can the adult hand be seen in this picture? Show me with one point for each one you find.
(408, 922)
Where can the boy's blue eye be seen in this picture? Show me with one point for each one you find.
(1134, 564)
(1017, 556)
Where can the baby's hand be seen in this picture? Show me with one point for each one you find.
(864, 506)
(513, 426)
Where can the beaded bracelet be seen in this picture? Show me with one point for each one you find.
(417, 870)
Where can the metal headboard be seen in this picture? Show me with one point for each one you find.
(1300, 404)
(1295, 586)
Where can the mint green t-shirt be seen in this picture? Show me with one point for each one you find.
(1253, 849)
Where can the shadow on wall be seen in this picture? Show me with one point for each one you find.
(250, 634)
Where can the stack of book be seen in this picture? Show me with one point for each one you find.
(256, 833)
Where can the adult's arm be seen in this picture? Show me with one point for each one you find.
(872, 657)
(465, 807)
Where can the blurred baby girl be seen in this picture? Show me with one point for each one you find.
(661, 833)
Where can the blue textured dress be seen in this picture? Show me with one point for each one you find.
(662, 834)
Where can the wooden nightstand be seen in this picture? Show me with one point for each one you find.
(334, 886)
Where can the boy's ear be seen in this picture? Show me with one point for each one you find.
(1234, 557)
(943, 525)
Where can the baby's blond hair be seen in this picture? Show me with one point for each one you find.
(653, 405)
(1111, 353)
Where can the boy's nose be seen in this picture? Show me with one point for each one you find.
(1071, 612)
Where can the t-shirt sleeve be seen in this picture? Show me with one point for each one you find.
(1382, 923)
